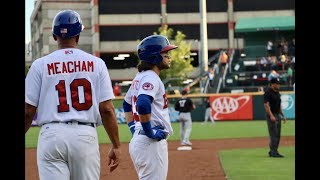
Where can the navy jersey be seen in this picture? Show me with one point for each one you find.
(184, 105)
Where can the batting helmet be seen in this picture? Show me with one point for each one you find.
(67, 23)
(149, 48)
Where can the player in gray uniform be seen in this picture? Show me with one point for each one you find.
(208, 112)
(185, 105)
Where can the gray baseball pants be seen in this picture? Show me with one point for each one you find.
(274, 133)
(185, 126)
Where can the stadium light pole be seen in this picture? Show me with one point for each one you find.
(203, 39)
(163, 13)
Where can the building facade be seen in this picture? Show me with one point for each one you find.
(114, 27)
(41, 19)
(27, 54)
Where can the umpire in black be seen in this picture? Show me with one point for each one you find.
(274, 113)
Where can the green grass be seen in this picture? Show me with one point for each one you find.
(223, 129)
(254, 164)
(117, 103)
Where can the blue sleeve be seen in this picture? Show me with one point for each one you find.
(131, 126)
(126, 106)
(144, 104)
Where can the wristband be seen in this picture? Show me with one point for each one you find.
(132, 126)
(147, 129)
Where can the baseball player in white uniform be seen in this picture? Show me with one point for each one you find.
(72, 94)
(146, 110)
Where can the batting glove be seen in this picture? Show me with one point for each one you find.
(153, 133)
(132, 125)
(159, 135)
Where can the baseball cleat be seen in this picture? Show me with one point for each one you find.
(186, 143)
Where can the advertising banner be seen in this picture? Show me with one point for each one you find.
(232, 107)
(173, 114)
(259, 113)
(121, 118)
(120, 115)
(288, 105)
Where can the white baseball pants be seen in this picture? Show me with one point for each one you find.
(149, 157)
(68, 152)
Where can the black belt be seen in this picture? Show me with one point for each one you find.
(87, 124)
(70, 122)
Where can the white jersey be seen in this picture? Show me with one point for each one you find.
(149, 83)
(67, 85)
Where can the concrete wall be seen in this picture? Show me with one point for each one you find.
(41, 25)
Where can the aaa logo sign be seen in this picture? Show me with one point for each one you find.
(233, 107)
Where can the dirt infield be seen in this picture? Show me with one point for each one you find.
(201, 163)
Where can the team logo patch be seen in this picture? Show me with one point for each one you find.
(68, 52)
(147, 86)
(63, 30)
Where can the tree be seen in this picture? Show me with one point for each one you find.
(26, 70)
(180, 58)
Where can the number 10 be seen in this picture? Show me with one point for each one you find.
(61, 88)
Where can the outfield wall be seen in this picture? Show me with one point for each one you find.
(225, 107)
(245, 106)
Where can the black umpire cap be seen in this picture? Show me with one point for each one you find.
(275, 80)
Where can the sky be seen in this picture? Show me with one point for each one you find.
(29, 7)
